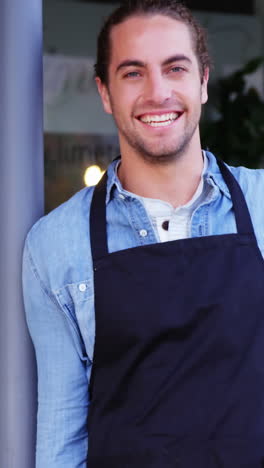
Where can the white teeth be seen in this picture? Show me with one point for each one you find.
(160, 124)
(159, 120)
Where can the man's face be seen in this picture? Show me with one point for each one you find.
(154, 89)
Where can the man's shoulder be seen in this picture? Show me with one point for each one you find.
(66, 219)
(250, 180)
(62, 237)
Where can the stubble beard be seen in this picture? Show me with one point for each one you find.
(164, 154)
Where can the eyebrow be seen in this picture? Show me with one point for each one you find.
(177, 58)
(140, 64)
(130, 63)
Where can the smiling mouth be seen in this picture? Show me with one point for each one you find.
(162, 120)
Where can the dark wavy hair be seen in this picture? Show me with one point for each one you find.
(171, 8)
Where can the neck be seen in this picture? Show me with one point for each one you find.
(175, 182)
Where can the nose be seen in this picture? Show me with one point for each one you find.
(157, 89)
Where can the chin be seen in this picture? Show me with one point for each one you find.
(160, 157)
(163, 154)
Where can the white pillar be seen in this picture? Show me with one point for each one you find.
(21, 203)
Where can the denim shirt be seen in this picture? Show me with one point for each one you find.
(59, 295)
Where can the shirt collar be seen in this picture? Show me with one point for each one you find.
(211, 175)
(112, 179)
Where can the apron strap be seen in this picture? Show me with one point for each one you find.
(98, 226)
(242, 216)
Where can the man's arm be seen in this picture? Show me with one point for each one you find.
(62, 378)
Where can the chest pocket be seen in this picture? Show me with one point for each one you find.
(77, 302)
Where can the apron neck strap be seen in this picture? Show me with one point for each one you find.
(242, 216)
(98, 225)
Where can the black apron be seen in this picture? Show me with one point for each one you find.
(178, 372)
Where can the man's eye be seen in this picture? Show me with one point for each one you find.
(132, 74)
(177, 69)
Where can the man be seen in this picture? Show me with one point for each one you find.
(173, 373)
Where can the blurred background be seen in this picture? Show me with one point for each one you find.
(81, 140)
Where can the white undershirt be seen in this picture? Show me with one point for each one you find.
(179, 219)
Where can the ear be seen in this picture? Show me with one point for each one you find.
(104, 93)
(204, 94)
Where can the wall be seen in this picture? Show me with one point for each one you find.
(72, 28)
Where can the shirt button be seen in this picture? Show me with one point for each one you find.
(82, 287)
(165, 225)
(121, 196)
(143, 232)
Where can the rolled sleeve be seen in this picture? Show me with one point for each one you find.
(62, 439)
